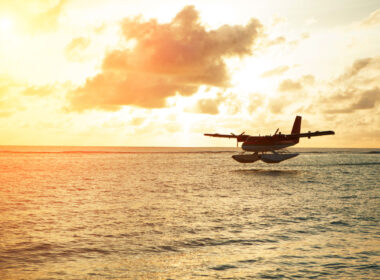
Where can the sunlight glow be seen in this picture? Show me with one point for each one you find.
(140, 73)
(5, 25)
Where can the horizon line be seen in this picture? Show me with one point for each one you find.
(224, 147)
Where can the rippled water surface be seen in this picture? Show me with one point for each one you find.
(140, 213)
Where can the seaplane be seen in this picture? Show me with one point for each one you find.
(271, 148)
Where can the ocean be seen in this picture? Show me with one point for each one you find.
(187, 213)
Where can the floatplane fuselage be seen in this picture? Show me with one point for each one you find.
(270, 148)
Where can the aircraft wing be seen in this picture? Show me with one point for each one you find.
(311, 134)
(221, 135)
(241, 137)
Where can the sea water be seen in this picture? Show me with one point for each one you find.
(187, 213)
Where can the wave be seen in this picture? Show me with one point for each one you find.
(355, 164)
(339, 152)
(337, 164)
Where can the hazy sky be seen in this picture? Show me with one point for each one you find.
(162, 73)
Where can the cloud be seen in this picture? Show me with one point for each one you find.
(277, 41)
(256, 100)
(37, 15)
(356, 89)
(290, 85)
(276, 20)
(226, 103)
(137, 121)
(167, 59)
(372, 19)
(276, 105)
(9, 102)
(49, 19)
(359, 66)
(208, 106)
(366, 99)
(301, 94)
(38, 90)
(74, 50)
(276, 71)
(356, 67)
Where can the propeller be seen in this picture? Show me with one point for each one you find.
(237, 138)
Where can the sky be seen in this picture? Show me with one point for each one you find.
(162, 73)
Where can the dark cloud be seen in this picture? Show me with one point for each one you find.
(289, 85)
(167, 59)
(74, 50)
(276, 71)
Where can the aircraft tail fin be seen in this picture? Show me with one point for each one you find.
(297, 125)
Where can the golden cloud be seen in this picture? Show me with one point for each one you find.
(276, 105)
(256, 101)
(372, 19)
(9, 103)
(167, 59)
(37, 15)
(74, 50)
(276, 71)
(277, 41)
(366, 99)
(209, 105)
(362, 70)
(358, 88)
(38, 90)
(290, 85)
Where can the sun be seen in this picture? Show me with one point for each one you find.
(5, 25)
